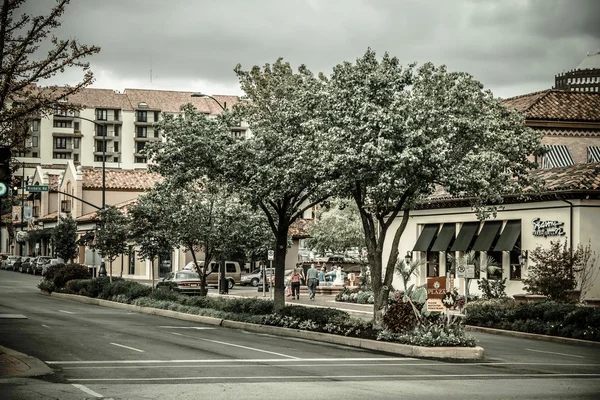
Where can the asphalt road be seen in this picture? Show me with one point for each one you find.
(105, 353)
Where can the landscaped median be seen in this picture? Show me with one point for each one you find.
(457, 353)
(433, 338)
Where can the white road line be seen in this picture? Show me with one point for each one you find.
(45, 326)
(66, 312)
(237, 345)
(231, 360)
(87, 390)
(329, 365)
(127, 347)
(322, 377)
(551, 352)
(199, 328)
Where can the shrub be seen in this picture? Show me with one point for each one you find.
(400, 317)
(46, 286)
(320, 316)
(432, 336)
(60, 274)
(127, 290)
(164, 294)
(492, 288)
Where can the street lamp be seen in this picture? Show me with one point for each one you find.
(204, 96)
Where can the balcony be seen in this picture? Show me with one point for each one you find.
(110, 135)
(63, 132)
(63, 149)
(110, 120)
(148, 121)
(65, 115)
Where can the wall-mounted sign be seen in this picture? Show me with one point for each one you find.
(547, 228)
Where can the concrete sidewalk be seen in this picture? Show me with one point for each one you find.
(15, 364)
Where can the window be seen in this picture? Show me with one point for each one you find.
(60, 111)
(156, 132)
(156, 116)
(117, 130)
(76, 126)
(35, 125)
(61, 124)
(34, 154)
(433, 264)
(230, 267)
(61, 156)
(115, 159)
(76, 142)
(142, 116)
(100, 145)
(116, 147)
(515, 266)
(116, 115)
(76, 157)
(101, 115)
(142, 132)
(60, 143)
(34, 141)
(101, 130)
(139, 147)
(140, 160)
(98, 158)
(495, 272)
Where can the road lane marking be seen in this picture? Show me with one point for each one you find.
(551, 352)
(87, 390)
(236, 345)
(45, 326)
(66, 312)
(327, 377)
(127, 347)
(12, 316)
(243, 360)
(199, 328)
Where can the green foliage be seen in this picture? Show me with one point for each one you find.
(60, 274)
(356, 295)
(406, 271)
(400, 317)
(492, 288)
(127, 290)
(64, 237)
(336, 229)
(430, 336)
(46, 286)
(320, 316)
(111, 237)
(552, 271)
(547, 318)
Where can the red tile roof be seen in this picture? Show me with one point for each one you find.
(93, 216)
(138, 179)
(171, 101)
(298, 230)
(557, 105)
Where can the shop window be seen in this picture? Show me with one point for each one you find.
(515, 266)
(495, 273)
(433, 264)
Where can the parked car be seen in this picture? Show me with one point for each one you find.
(9, 262)
(255, 276)
(26, 264)
(185, 282)
(233, 272)
(16, 264)
(43, 262)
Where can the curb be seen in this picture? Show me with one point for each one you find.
(21, 365)
(449, 353)
(533, 336)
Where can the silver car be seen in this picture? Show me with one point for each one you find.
(254, 277)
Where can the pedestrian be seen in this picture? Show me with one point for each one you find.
(322, 275)
(300, 271)
(295, 282)
(313, 280)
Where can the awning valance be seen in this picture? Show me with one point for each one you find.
(426, 237)
(593, 154)
(486, 237)
(465, 236)
(445, 237)
(509, 236)
(557, 156)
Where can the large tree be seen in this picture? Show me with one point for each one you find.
(398, 134)
(29, 53)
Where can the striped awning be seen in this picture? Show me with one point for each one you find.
(557, 156)
(594, 154)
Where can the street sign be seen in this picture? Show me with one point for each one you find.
(460, 271)
(271, 254)
(37, 188)
(470, 273)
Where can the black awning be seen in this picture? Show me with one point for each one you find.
(442, 243)
(465, 236)
(486, 237)
(427, 235)
(509, 236)
(85, 238)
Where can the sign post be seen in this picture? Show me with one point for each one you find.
(436, 290)
(270, 256)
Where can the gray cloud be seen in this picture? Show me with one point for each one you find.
(512, 46)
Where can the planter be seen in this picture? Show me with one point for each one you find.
(593, 302)
(533, 298)
(520, 298)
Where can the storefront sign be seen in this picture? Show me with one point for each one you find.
(470, 273)
(436, 287)
(547, 228)
(435, 305)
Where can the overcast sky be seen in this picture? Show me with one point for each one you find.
(512, 46)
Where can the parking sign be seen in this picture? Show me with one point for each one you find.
(271, 255)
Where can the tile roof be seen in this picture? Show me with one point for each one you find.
(49, 217)
(106, 98)
(557, 105)
(93, 216)
(137, 179)
(298, 230)
(578, 177)
(170, 101)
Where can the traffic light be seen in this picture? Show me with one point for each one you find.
(5, 176)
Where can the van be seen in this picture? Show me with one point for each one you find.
(233, 272)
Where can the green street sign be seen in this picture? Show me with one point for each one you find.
(37, 188)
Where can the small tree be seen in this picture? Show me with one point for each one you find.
(64, 237)
(111, 236)
(552, 272)
(23, 65)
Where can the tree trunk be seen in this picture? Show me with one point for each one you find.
(152, 266)
(110, 271)
(202, 273)
(280, 252)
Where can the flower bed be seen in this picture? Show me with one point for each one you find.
(355, 295)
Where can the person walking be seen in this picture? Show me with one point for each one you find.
(322, 275)
(295, 282)
(312, 280)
